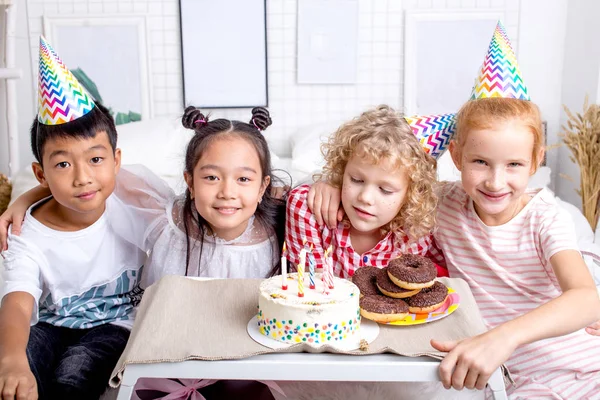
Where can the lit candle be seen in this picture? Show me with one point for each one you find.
(283, 269)
(301, 266)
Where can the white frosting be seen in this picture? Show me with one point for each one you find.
(319, 317)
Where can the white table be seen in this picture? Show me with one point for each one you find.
(306, 367)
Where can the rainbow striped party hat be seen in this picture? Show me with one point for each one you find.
(434, 132)
(61, 98)
(500, 75)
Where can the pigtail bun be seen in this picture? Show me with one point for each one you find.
(260, 118)
(193, 118)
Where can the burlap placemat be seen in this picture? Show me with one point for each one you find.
(184, 319)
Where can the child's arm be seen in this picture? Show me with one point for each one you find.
(301, 225)
(324, 201)
(15, 213)
(471, 362)
(140, 200)
(16, 378)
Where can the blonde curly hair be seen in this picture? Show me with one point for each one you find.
(383, 134)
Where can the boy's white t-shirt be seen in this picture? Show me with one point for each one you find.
(78, 279)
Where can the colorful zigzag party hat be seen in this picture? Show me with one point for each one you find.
(434, 132)
(500, 75)
(61, 98)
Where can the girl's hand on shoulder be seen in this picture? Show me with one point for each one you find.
(15, 214)
(470, 362)
(594, 329)
(324, 202)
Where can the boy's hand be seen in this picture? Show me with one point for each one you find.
(17, 381)
(470, 362)
(324, 202)
(594, 329)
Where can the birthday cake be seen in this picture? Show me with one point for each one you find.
(321, 316)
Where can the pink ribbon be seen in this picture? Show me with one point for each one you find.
(186, 390)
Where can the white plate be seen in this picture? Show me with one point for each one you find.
(368, 331)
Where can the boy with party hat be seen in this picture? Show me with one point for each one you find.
(71, 283)
(515, 247)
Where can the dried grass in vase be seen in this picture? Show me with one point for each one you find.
(582, 137)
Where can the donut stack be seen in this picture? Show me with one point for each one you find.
(406, 285)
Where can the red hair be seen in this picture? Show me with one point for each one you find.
(485, 113)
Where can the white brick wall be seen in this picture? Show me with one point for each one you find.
(380, 50)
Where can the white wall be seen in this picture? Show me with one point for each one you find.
(554, 40)
(25, 97)
(380, 65)
(541, 52)
(581, 76)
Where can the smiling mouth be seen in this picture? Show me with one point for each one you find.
(494, 196)
(226, 210)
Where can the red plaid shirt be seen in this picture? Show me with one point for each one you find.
(301, 224)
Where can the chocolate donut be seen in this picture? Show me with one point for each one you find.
(411, 271)
(364, 278)
(389, 288)
(428, 299)
(383, 309)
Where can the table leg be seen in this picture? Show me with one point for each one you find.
(125, 392)
(127, 383)
(496, 384)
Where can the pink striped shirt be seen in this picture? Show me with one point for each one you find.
(508, 269)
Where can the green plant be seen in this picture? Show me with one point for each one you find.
(89, 85)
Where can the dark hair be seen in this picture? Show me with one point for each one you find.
(87, 126)
(270, 211)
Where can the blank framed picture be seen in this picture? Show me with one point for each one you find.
(224, 53)
(123, 86)
(443, 54)
(327, 50)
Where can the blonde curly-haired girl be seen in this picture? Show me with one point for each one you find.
(385, 178)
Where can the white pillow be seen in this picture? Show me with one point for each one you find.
(159, 144)
(22, 182)
(306, 146)
(446, 170)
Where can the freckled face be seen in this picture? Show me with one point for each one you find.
(495, 167)
(372, 194)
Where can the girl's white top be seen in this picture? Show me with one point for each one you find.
(154, 223)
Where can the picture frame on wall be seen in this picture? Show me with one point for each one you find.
(442, 54)
(116, 72)
(224, 67)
